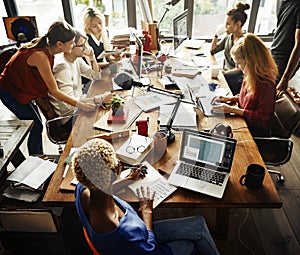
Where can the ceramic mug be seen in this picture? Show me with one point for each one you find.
(254, 177)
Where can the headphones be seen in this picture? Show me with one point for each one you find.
(221, 129)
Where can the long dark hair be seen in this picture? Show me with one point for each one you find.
(58, 31)
(238, 13)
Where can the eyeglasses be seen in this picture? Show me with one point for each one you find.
(141, 148)
(81, 45)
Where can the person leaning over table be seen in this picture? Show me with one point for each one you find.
(112, 224)
(68, 69)
(256, 101)
(28, 75)
(235, 20)
(95, 29)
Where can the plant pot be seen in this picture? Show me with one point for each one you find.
(117, 111)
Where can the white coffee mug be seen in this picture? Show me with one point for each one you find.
(215, 69)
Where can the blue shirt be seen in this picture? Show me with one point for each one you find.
(130, 237)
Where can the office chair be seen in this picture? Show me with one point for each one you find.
(56, 132)
(277, 149)
(89, 242)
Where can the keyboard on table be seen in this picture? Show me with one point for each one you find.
(201, 173)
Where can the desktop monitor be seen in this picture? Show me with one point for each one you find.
(180, 29)
(20, 28)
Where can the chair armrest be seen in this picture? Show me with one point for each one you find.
(274, 151)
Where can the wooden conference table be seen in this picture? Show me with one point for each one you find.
(235, 196)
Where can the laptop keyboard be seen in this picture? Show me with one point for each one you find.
(201, 173)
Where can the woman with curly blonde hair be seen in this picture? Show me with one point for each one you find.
(113, 226)
(256, 102)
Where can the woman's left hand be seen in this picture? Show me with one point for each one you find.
(222, 108)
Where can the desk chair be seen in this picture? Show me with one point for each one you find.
(277, 149)
(89, 242)
(56, 132)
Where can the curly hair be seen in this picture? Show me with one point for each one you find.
(94, 164)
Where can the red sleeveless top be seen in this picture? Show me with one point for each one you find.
(22, 81)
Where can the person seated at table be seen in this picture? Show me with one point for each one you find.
(235, 20)
(28, 75)
(95, 29)
(68, 69)
(256, 101)
(113, 226)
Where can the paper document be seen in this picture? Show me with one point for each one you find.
(185, 116)
(153, 100)
(33, 172)
(155, 181)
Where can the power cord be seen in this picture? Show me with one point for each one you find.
(239, 233)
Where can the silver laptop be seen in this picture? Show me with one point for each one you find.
(204, 164)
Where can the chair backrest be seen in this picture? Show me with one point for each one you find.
(89, 242)
(287, 116)
(5, 57)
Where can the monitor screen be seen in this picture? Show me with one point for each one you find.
(20, 28)
(180, 28)
(137, 58)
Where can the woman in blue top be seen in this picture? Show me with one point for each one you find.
(112, 224)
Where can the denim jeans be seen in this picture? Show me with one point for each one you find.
(185, 236)
(26, 112)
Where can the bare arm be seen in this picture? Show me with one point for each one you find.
(292, 64)
(41, 62)
(146, 206)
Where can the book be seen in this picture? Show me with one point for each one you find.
(185, 72)
(111, 119)
(32, 173)
(155, 181)
(135, 149)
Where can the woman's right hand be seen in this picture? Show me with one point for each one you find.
(146, 204)
(87, 106)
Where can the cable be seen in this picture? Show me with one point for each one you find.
(239, 234)
(234, 129)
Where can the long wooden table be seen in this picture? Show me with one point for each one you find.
(235, 196)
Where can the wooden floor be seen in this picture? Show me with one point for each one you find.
(254, 231)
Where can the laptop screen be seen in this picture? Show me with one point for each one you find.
(205, 149)
(137, 58)
(180, 28)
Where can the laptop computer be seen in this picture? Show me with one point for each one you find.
(205, 105)
(204, 164)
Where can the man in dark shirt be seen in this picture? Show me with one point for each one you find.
(285, 48)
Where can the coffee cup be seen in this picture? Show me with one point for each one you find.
(254, 177)
(160, 143)
(215, 69)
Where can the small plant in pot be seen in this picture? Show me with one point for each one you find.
(117, 104)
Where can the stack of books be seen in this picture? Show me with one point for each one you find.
(121, 40)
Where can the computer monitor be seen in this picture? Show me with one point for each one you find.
(20, 28)
(137, 58)
(180, 29)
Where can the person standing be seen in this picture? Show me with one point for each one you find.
(28, 75)
(285, 47)
(235, 20)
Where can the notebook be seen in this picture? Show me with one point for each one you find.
(204, 163)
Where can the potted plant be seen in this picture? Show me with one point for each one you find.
(117, 104)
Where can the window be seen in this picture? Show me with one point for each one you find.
(45, 11)
(3, 40)
(208, 14)
(266, 17)
(170, 12)
(115, 12)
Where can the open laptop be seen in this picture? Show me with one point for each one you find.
(204, 164)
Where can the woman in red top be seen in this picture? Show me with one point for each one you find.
(28, 75)
(256, 101)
